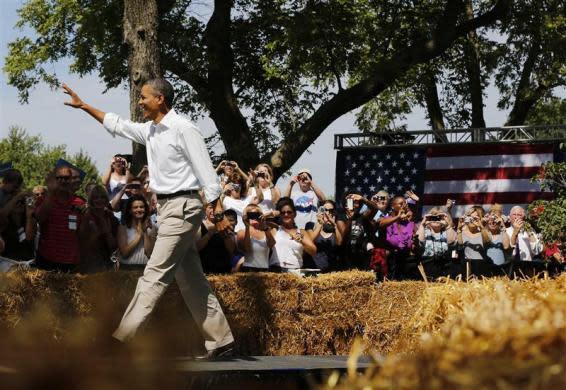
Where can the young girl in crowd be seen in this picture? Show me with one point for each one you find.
(136, 237)
(261, 187)
(255, 240)
(326, 237)
(290, 241)
(97, 233)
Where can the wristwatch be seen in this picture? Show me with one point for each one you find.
(218, 217)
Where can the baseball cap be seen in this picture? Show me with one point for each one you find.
(304, 170)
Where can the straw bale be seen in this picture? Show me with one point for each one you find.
(493, 333)
(270, 314)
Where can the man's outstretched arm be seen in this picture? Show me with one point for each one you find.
(112, 122)
(76, 102)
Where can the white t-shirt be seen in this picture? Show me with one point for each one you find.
(306, 204)
(266, 204)
(238, 205)
(287, 253)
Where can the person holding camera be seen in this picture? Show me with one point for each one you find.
(356, 230)
(436, 236)
(306, 197)
(17, 225)
(233, 199)
(59, 215)
(226, 169)
(117, 175)
(472, 239)
(399, 233)
(256, 240)
(97, 233)
(526, 245)
(137, 235)
(120, 200)
(290, 241)
(260, 184)
(327, 237)
(216, 249)
(498, 242)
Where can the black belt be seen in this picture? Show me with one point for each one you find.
(175, 194)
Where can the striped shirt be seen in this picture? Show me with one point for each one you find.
(59, 241)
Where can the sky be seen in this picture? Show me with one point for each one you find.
(45, 115)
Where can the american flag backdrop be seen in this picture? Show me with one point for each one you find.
(470, 174)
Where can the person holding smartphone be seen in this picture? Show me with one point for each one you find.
(260, 184)
(119, 201)
(256, 240)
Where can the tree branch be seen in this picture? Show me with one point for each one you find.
(385, 73)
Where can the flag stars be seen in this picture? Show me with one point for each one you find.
(347, 172)
(415, 155)
(388, 156)
(348, 158)
(362, 157)
(408, 163)
(354, 165)
(386, 172)
(372, 188)
(399, 187)
(414, 187)
(400, 171)
(379, 179)
(414, 171)
(367, 164)
(407, 179)
(353, 181)
(360, 172)
(373, 172)
(359, 189)
(366, 180)
(380, 164)
(346, 189)
(402, 155)
(386, 188)
(393, 180)
(374, 156)
(394, 164)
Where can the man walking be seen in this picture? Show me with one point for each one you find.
(179, 166)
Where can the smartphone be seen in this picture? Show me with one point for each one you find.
(350, 204)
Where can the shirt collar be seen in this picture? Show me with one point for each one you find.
(167, 120)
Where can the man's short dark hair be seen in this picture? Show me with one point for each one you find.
(12, 176)
(163, 87)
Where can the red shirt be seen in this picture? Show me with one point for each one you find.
(58, 239)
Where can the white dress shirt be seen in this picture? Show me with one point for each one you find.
(527, 249)
(177, 158)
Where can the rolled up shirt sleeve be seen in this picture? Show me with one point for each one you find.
(195, 146)
(133, 131)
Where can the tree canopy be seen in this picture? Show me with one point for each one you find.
(35, 160)
(273, 74)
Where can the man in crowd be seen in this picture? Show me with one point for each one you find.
(59, 216)
(524, 240)
(306, 197)
(179, 166)
(10, 188)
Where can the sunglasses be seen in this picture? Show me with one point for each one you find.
(288, 212)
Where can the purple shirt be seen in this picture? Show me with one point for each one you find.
(400, 234)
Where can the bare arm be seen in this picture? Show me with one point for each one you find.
(126, 248)
(149, 238)
(318, 192)
(308, 245)
(290, 185)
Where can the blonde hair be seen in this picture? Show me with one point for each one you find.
(258, 190)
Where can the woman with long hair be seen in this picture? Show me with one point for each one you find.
(97, 233)
(290, 241)
(261, 186)
(117, 175)
(136, 237)
(327, 237)
(256, 240)
(235, 198)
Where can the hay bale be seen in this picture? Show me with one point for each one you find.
(492, 333)
(270, 314)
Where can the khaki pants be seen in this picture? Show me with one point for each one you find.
(175, 256)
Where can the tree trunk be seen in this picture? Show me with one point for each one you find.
(433, 106)
(224, 109)
(525, 95)
(140, 34)
(473, 69)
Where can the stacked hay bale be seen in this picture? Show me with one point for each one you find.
(484, 334)
(270, 314)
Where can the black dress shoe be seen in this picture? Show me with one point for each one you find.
(222, 352)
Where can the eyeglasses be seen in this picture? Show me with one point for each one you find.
(331, 211)
(64, 178)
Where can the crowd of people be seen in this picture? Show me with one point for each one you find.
(291, 230)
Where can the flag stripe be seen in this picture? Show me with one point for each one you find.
(463, 186)
(486, 197)
(481, 173)
(488, 161)
(459, 210)
(479, 150)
